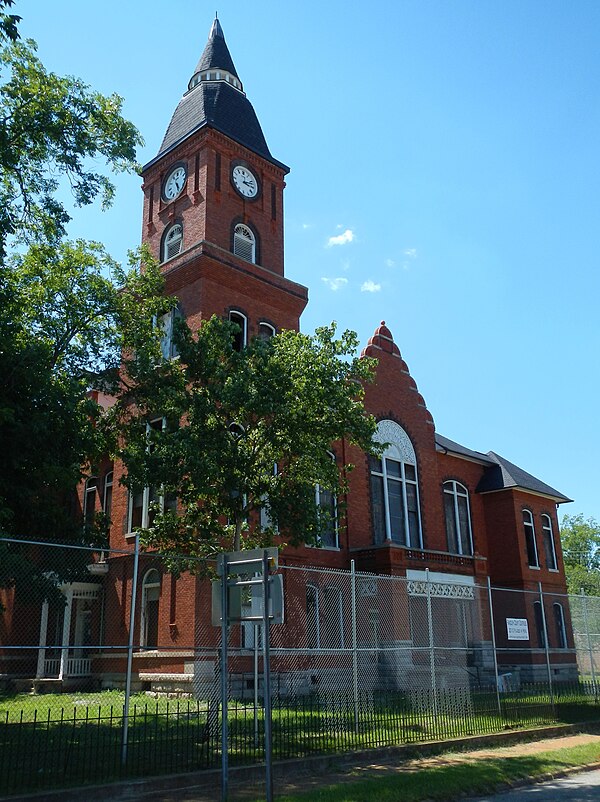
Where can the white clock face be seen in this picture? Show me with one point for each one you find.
(174, 183)
(244, 181)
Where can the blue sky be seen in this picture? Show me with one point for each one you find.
(445, 166)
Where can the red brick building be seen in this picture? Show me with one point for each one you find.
(213, 215)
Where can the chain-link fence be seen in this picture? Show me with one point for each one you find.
(361, 660)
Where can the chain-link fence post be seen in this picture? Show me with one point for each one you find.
(589, 640)
(224, 694)
(354, 644)
(546, 645)
(134, 583)
(493, 633)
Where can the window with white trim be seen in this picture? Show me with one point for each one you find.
(89, 501)
(149, 612)
(394, 489)
(244, 243)
(172, 242)
(561, 629)
(530, 544)
(145, 503)
(549, 546)
(265, 331)
(240, 338)
(166, 323)
(107, 498)
(458, 518)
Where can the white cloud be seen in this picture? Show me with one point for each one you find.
(390, 263)
(341, 239)
(411, 253)
(335, 283)
(370, 286)
(306, 226)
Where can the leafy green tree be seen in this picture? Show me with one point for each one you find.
(53, 129)
(65, 311)
(580, 538)
(241, 431)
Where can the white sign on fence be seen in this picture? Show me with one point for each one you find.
(517, 629)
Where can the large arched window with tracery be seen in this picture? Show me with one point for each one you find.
(394, 488)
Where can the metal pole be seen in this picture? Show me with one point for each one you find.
(224, 699)
(134, 583)
(354, 645)
(256, 636)
(589, 639)
(547, 644)
(267, 679)
(431, 644)
(489, 585)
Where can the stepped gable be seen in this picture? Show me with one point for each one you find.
(383, 340)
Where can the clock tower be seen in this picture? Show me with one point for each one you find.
(213, 205)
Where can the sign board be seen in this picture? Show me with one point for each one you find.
(248, 562)
(252, 609)
(517, 629)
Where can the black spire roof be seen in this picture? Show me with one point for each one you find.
(215, 98)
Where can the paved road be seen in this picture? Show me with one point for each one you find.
(583, 787)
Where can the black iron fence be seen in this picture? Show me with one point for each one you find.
(59, 746)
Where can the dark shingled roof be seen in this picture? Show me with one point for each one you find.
(216, 53)
(445, 444)
(216, 104)
(500, 474)
(505, 474)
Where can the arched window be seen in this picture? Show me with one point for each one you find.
(458, 518)
(530, 544)
(394, 488)
(172, 242)
(549, 546)
(89, 501)
(265, 331)
(240, 339)
(244, 243)
(149, 619)
(561, 630)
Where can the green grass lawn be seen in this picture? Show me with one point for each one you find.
(449, 782)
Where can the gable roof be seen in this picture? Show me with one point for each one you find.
(499, 473)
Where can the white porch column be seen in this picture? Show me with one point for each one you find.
(64, 654)
(43, 639)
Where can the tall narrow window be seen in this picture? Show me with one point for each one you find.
(394, 489)
(458, 518)
(167, 323)
(89, 501)
(244, 243)
(561, 630)
(107, 499)
(549, 546)
(240, 338)
(530, 544)
(313, 635)
(172, 242)
(146, 502)
(150, 599)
